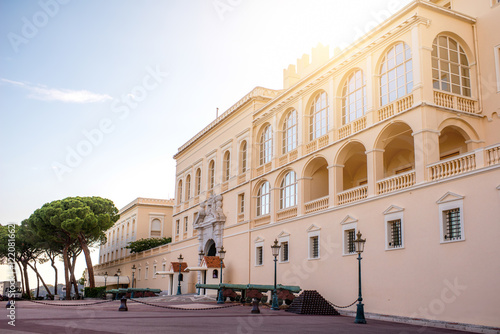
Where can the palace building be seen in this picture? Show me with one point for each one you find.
(397, 136)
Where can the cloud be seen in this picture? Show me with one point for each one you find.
(43, 93)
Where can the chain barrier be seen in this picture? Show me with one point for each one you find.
(53, 304)
(332, 304)
(183, 309)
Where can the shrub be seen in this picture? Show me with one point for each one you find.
(145, 244)
(95, 292)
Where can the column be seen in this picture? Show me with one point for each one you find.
(374, 169)
(426, 145)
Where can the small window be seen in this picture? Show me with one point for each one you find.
(146, 273)
(154, 271)
(139, 274)
(314, 247)
(177, 227)
(243, 157)
(395, 234)
(259, 255)
(452, 228)
(215, 273)
(241, 203)
(496, 49)
(185, 224)
(350, 236)
(284, 251)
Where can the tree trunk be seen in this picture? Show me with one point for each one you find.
(26, 280)
(40, 278)
(88, 259)
(66, 270)
(55, 273)
(22, 276)
(72, 273)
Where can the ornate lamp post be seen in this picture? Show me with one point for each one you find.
(276, 251)
(180, 258)
(133, 274)
(118, 283)
(105, 281)
(359, 245)
(222, 254)
(200, 279)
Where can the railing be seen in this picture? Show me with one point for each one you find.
(323, 141)
(453, 166)
(345, 131)
(288, 157)
(311, 147)
(317, 143)
(260, 220)
(492, 155)
(455, 102)
(241, 217)
(352, 195)
(317, 204)
(225, 186)
(260, 170)
(286, 213)
(293, 155)
(395, 107)
(242, 178)
(353, 127)
(283, 160)
(396, 182)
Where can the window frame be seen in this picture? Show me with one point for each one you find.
(284, 240)
(259, 246)
(263, 199)
(385, 73)
(288, 191)
(198, 182)
(226, 166)
(310, 237)
(211, 174)
(266, 145)
(290, 137)
(347, 93)
(318, 123)
(243, 156)
(345, 228)
(445, 207)
(188, 187)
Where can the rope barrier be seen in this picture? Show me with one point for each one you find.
(53, 304)
(183, 309)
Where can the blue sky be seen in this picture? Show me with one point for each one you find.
(122, 84)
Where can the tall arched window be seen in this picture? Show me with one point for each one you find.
(353, 97)
(198, 182)
(211, 174)
(188, 187)
(266, 145)
(318, 125)
(226, 165)
(179, 192)
(288, 190)
(243, 157)
(290, 132)
(396, 74)
(450, 67)
(263, 199)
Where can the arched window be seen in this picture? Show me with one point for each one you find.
(226, 165)
(266, 145)
(450, 67)
(353, 97)
(179, 192)
(156, 228)
(290, 132)
(198, 182)
(263, 199)
(396, 73)
(211, 174)
(318, 125)
(243, 157)
(188, 187)
(288, 190)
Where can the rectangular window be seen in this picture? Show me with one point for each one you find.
(146, 273)
(452, 227)
(497, 64)
(139, 274)
(395, 235)
(314, 247)
(185, 224)
(349, 237)
(177, 227)
(284, 251)
(241, 203)
(154, 271)
(259, 255)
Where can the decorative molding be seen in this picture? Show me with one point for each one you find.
(348, 220)
(313, 228)
(393, 209)
(449, 197)
(283, 234)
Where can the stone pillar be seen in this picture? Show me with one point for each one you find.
(426, 144)
(374, 169)
(337, 172)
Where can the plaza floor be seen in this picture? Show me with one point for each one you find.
(187, 314)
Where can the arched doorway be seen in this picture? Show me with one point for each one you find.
(210, 249)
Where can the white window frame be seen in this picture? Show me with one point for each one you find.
(263, 200)
(389, 217)
(259, 244)
(310, 236)
(186, 224)
(290, 138)
(497, 64)
(345, 228)
(266, 145)
(446, 206)
(288, 190)
(241, 203)
(283, 240)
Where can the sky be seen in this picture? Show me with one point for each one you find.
(97, 96)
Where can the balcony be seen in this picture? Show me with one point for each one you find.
(286, 213)
(317, 204)
(352, 195)
(396, 182)
(317, 143)
(264, 168)
(352, 127)
(455, 102)
(395, 107)
(288, 157)
(453, 166)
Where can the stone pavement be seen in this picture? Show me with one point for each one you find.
(188, 314)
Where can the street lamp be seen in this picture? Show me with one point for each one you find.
(222, 254)
(105, 280)
(180, 258)
(118, 283)
(276, 251)
(133, 273)
(359, 245)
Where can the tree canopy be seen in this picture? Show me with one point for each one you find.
(145, 244)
